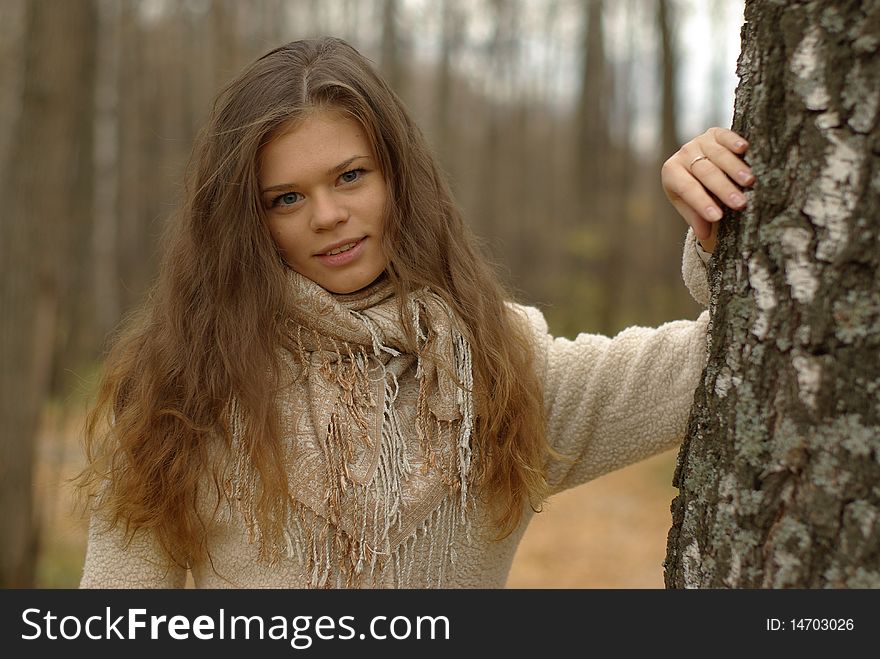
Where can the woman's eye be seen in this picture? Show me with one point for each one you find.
(287, 199)
(351, 176)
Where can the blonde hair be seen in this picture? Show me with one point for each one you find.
(210, 329)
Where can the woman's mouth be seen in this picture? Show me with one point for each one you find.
(343, 254)
(339, 250)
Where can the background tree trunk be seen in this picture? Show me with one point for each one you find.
(391, 62)
(667, 244)
(594, 162)
(44, 193)
(780, 469)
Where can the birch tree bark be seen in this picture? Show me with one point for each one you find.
(779, 476)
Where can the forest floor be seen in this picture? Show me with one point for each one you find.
(609, 533)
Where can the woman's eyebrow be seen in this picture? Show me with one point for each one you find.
(343, 165)
(333, 170)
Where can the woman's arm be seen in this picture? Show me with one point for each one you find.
(611, 402)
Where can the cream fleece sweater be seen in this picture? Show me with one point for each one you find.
(610, 402)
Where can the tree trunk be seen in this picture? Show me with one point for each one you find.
(77, 338)
(668, 66)
(667, 296)
(41, 200)
(225, 17)
(133, 164)
(108, 307)
(443, 119)
(12, 45)
(391, 62)
(779, 471)
(593, 160)
(590, 171)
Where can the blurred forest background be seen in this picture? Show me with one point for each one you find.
(551, 117)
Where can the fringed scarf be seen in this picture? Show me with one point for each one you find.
(376, 461)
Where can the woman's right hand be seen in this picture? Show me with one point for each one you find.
(705, 171)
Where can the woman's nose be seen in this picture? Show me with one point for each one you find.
(327, 211)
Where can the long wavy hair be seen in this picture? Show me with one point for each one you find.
(211, 328)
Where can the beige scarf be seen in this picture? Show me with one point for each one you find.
(378, 438)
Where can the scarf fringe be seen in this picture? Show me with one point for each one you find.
(330, 556)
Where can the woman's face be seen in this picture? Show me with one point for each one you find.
(325, 201)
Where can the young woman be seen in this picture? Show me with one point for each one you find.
(328, 386)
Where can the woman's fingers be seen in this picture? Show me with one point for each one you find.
(681, 186)
(718, 183)
(705, 171)
(728, 139)
(722, 156)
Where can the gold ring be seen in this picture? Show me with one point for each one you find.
(694, 161)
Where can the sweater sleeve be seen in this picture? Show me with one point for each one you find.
(694, 270)
(611, 402)
(112, 561)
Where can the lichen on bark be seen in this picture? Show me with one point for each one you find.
(779, 475)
